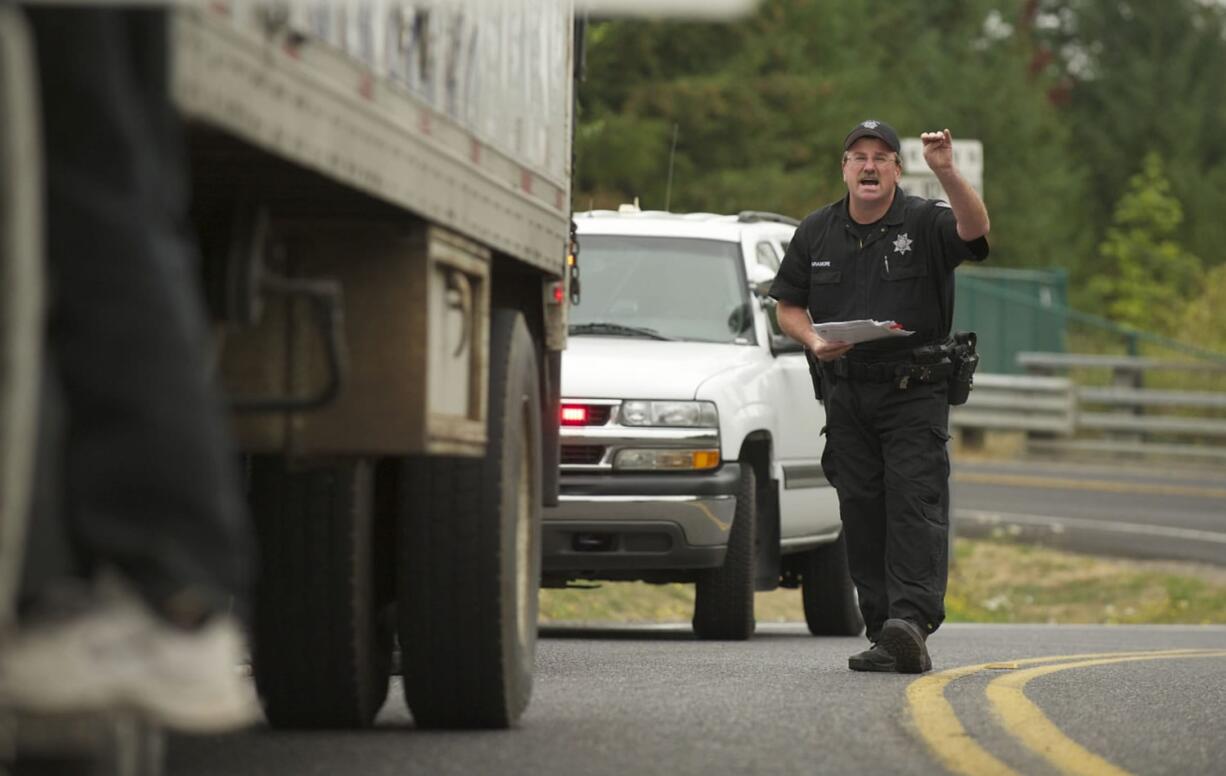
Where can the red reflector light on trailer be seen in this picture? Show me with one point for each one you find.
(573, 415)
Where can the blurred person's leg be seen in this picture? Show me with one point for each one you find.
(150, 481)
(149, 486)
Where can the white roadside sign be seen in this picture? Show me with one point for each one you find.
(918, 180)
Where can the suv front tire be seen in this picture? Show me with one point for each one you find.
(723, 597)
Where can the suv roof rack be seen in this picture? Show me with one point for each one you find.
(746, 216)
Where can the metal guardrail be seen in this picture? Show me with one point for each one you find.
(1133, 367)
(1057, 413)
(1019, 402)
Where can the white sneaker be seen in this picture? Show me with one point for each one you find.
(119, 655)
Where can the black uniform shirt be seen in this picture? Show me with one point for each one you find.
(900, 271)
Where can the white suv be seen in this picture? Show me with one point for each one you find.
(691, 444)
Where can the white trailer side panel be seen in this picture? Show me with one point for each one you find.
(458, 110)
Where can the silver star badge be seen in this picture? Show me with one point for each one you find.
(902, 244)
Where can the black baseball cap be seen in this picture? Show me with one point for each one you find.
(873, 128)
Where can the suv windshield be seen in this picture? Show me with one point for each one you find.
(665, 287)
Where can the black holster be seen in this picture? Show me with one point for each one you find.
(815, 373)
(965, 360)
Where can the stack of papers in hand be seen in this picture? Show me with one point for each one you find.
(859, 331)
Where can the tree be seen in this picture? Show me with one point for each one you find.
(1142, 75)
(1205, 316)
(1148, 275)
(760, 108)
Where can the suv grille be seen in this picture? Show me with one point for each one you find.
(582, 454)
(597, 414)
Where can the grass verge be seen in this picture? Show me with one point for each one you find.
(991, 581)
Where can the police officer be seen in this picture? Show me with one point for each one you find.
(881, 254)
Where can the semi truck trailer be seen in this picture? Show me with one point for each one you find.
(382, 196)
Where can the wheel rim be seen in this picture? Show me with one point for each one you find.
(523, 540)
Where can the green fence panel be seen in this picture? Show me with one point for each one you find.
(1012, 310)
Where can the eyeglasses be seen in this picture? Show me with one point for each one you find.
(860, 160)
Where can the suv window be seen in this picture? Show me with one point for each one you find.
(767, 257)
(682, 288)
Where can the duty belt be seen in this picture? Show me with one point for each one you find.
(901, 372)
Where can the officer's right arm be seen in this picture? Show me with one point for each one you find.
(791, 290)
(795, 322)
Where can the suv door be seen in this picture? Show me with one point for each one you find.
(808, 504)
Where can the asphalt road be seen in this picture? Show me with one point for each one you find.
(1123, 510)
(624, 701)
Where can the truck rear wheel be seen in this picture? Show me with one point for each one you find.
(470, 556)
(829, 596)
(723, 597)
(323, 634)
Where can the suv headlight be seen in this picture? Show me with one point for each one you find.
(683, 414)
(649, 459)
(701, 453)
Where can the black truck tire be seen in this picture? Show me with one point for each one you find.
(831, 608)
(323, 631)
(723, 597)
(469, 566)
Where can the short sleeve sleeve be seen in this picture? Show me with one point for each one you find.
(952, 249)
(792, 281)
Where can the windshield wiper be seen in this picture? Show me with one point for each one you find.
(617, 329)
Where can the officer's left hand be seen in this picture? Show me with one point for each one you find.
(938, 150)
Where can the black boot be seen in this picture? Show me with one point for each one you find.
(904, 640)
(872, 659)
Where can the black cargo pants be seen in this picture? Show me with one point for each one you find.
(147, 478)
(887, 458)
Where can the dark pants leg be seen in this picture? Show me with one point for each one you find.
(888, 451)
(149, 477)
(852, 463)
(914, 431)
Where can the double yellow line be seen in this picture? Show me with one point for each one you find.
(940, 729)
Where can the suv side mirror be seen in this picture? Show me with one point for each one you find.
(782, 343)
(760, 279)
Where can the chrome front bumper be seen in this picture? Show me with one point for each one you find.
(615, 522)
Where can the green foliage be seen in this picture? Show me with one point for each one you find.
(618, 152)
(1145, 273)
(1068, 96)
(761, 107)
(1205, 315)
(1142, 76)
